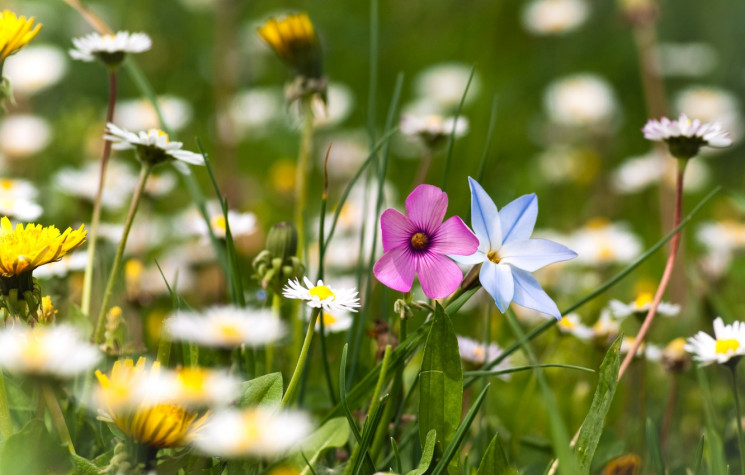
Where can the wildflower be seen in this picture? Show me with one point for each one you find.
(334, 322)
(23, 135)
(37, 69)
(119, 183)
(727, 346)
(684, 137)
(47, 312)
(153, 147)
(649, 351)
(674, 356)
(639, 172)
(15, 33)
(226, 327)
(152, 422)
(322, 296)
(572, 325)
(507, 253)
(551, 17)
(294, 40)
(241, 224)
(605, 329)
(17, 198)
(418, 244)
(711, 104)
(51, 351)
(140, 114)
(477, 353)
(445, 83)
(432, 129)
(580, 100)
(641, 306)
(603, 242)
(110, 49)
(253, 432)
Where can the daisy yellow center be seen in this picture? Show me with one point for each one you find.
(219, 222)
(6, 184)
(160, 134)
(645, 298)
(419, 241)
(251, 429)
(479, 352)
(34, 352)
(328, 319)
(322, 292)
(726, 346)
(606, 253)
(229, 331)
(567, 323)
(494, 257)
(193, 381)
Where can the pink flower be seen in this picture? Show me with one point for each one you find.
(418, 244)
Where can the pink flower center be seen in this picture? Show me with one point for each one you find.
(419, 241)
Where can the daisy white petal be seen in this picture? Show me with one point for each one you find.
(226, 327)
(322, 296)
(727, 345)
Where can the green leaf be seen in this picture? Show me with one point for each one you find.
(592, 427)
(653, 446)
(494, 461)
(716, 447)
(33, 450)
(428, 454)
(440, 383)
(334, 433)
(262, 391)
(82, 466)
(699, 457)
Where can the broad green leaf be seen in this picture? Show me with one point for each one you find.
(334, 433)
(33, 450)
(428, 453)
(494, 461)
(440, 383)
(83, 466)
(592, 427)
(262, 391)
(653, 447)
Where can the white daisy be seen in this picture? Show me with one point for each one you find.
(38, 68)
(322, 296)
(152, 146)
(256, 432)
(685, 136)
(24, 135)
(606, 329)
(603, 242)
(581, 100)
(445, 83)
(17, 199)
(119, 183)
(432, 128)
(226, 327)
(334, 322)
(111, 49)
(57, 351)
(475, 352)
(641, 305)
(188, 387)
(552, 17)
(241, 224)
(140, 114)
(572, 325)
(650, 351)
(728, 344)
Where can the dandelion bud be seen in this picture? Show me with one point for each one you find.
(47, 313)
(282, 240)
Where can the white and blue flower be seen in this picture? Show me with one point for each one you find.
(507, 253)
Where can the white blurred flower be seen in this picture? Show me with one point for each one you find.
(53, 351)
(551, 17)
(119, 183)
(139, 114)
(650, 351)
(721, 239)
(580, 100)
(322, 296)
(349, 149)
(641, 304)
(640, 172)
(191, 387)
(241, 224)
(728, 343)
(17, 199)
(606, 328)
(445, 84)
(602, 242)
(24, 135)
(432, 129)
(562, 163)
(146, 281)
(146, 234)
(475, 352)
(686, 59)
(572, 325)
(256, 432)
(255, 111)
(38, 68)
(160, 183)
(69, 263)
(226, 326)
(711, 104)
(111, 49)
(340, 105)
(334, 322)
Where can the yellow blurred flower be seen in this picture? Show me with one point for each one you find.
(24, 249)
(15, 32)
(47, 313)
(294, 40)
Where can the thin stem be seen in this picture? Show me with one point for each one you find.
(85, 305)
(144, 173)
(269, 350)
(666, 274)
(6, 423)
(301, 177)
(57, 417)
(738, 416)
(302, 359)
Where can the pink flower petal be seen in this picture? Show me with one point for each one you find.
(396, 229)
(454, 237)
(426, 207)
(396, 269)
(438, 275)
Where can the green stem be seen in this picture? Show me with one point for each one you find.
(301, 177)
(269, 351)
(144, 173)
(85, 304)
(738, 416)
(6, 423)
(57, 417)
(302, 359)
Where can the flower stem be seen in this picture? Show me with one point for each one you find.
(301, 177)
(738, 416)
(675, 243)
(6, 423)
(144, 173)
(85, 304)
(269, 350)
(57, 417)
(302, 359)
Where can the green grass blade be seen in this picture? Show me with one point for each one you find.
(653, 447)
(397, 456)
(495, 461)
(489, 134)
(428, 453)
(699, 457)
(451, 142)
(517, 369)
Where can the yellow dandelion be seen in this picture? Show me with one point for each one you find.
(15, 32)
(294, 40)
(24, 249)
